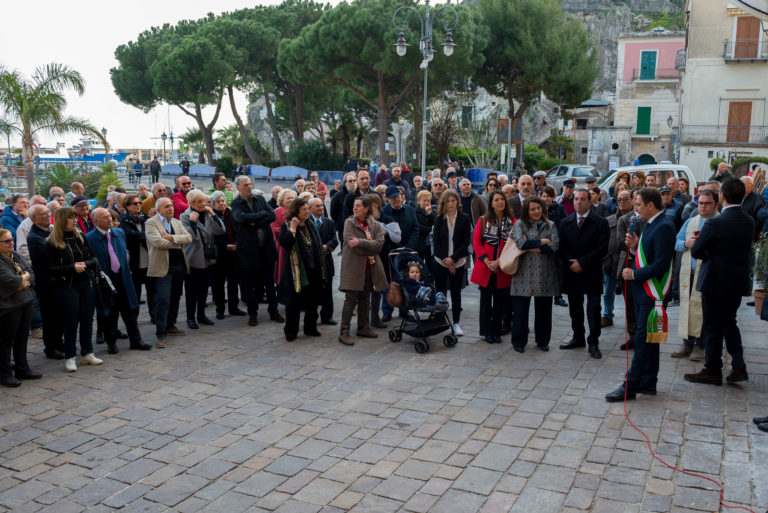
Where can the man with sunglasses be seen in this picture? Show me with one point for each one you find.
(180, 203)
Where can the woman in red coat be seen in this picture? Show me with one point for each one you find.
(284, 200)
(490, 235)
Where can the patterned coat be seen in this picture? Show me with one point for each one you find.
(537, 273)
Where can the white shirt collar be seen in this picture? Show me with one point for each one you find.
(654, 217)
(103, 232)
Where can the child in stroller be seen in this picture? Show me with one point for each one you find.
(419, 290)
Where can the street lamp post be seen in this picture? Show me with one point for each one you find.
(171, 139)
(106, 146)
(163, 136)
(427, 51)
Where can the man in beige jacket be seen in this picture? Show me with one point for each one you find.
(168, 264)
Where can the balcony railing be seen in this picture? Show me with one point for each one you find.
(680, 59)
(650, 75)
(652, 132)
(745, 50)
(714, 134)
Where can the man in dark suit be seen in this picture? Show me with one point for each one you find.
(724, 247)
(584, 238)
(653, 263)
(109, 245)
(53, 327)
(327, 229)
(256, 252)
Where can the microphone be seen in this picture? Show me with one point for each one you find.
(632, 225)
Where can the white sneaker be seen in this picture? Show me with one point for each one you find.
(70, 365)
(90, 359)
(457, 330)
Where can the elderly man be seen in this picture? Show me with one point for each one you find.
(722, 173)
(142, 192)
(273, 200)
(76, 189)
(220, 184)
(327, 229)
(166, 238)
(298, 186)
(674, 185)
(452, 178)
(180, 203)
(54, 190)
(611, 259)
(52, 326)
(256, 251)
(471, 203)
(158, 191)
(322, 189)
(83, 211)
(363, 188)
(25, 227)
(15, 213)
(109, 245)
(337, 201)
(690, 319)
(540, 179)
(566, 198)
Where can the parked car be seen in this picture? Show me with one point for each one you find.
(576, 172)
(661, 171)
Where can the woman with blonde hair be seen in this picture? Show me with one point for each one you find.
(203, 224)
(284, 200)
(74, 270)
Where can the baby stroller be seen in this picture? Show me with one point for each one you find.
(420, 321)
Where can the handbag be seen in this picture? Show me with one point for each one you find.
(394, 295)
(210, 251)
(105, 291)
(510, 257)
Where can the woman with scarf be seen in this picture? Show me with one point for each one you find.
(537, 274)
(303, 270)
(132, 223)
(225, 269)
(16, 298)
(284, 200)
(490, 235)
(361, 269)
(391, 239)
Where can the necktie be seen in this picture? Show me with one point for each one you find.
(581, 221)
(319, 223)
(114, 265)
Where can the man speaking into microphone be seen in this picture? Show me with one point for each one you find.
(653, 247)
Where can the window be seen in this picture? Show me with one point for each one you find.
(648, 65)
(584, 150)
(643, 121)
(581, 124)
(739, 119)
(582, 172)
(747, 37)
(466, 116)
(562, 171)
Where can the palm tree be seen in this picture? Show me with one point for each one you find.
(193, 138)
(36, 105)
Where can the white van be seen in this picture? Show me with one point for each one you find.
(661, 171)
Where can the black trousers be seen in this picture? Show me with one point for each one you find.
(226, 277)
(77, 305)
(196, 291)
(644, 371)
(306, 300)
(14, 327)
(719, 314)
(254, 282)
(139, 277)
(629, 307)
(326, 300)
(124, 310)
(576, 309)
(492, 302)
(53, 325)
(542, 324)
(445, 281)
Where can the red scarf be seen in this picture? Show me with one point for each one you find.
(371, 259)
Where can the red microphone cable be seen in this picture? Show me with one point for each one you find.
(648, 440)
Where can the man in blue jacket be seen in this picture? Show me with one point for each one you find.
(15, 213)
(650, 280)
(405, 216)
(109, 245)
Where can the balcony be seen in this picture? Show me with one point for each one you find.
(745, 50)
(680, 59)
(724, 134)
(655, 75)
(652, 131)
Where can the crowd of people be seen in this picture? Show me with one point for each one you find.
(657, 245)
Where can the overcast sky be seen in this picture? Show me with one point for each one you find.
(83, 34)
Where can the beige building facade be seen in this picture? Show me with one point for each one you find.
(724, 86)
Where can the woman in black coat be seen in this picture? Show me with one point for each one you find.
(391, 240)
(225, 269)
(132, 223)
(304, 271)
(16, 297)
(425, 215)
(452, 236)
(555, 213)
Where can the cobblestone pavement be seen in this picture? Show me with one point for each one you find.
(232, 418)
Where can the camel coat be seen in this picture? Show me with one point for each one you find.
(158, 247)
(353, 259)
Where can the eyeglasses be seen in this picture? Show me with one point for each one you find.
(186, 183)
(706, 203)
(623, 199)
(7, 241)
(136, 203)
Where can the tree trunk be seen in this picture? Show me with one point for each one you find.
(205, 130)
(299, 112)
(244, 132)
(29, 162)
(345, 137)
(517, 117)
(289, 101)
(273, 127)
(382, 113)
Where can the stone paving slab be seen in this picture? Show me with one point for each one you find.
(233, 418)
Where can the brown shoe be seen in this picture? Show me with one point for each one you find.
(176, 332)
(160, 343)
(367, 332)
(705, 377)
(697, 355)
(683, 352)
(737, 376)
(275, 316)
(606, 321)
(253, 321)
(346, 339)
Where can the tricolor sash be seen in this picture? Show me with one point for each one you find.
(657, 325)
